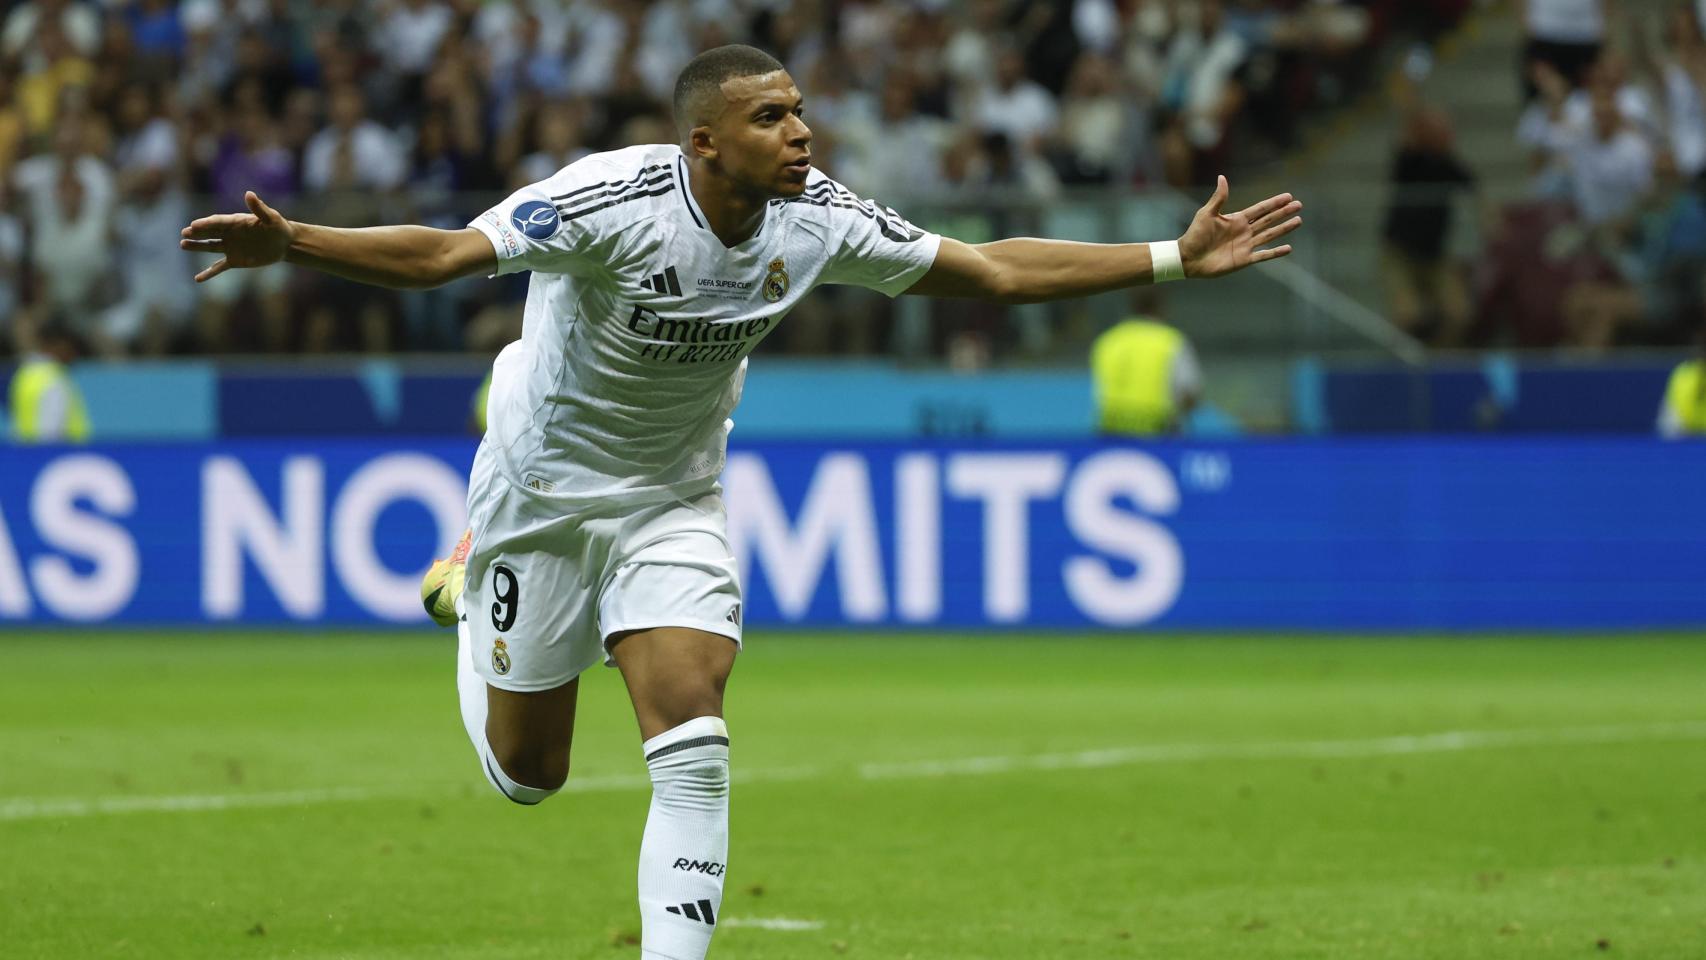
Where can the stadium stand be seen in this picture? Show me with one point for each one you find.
(120, 120)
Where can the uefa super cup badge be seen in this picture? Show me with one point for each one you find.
(500, 657)
(776, 281)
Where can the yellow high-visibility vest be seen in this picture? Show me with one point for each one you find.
(480, 397)
(1684, 396)
(30, 385)
(1131, 368)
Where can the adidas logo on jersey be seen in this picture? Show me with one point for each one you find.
(664, 282)
(700, 911)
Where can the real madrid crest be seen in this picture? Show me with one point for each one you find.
(500, 657)
(776, 281)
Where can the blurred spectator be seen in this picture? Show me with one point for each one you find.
(206, 65)
(662, 47)
(45, 405)
(432, 319)
(78, 23)
(834, 103)
(597, 36)
(1660, 263)
(352, 152)
(1011, 170)
(155, 30)
(1429, 294)
(917, 56)
(1610, 164)
(357, 162)
(1560, 115)
(558, 144)
(902, 146)
(1565, 35)
(1681, 73)
(248, 156)
(60, 72)
(11, 122)
(1142, 55)
(409, 34)
(11, 267)
(70, 213)
(1100, 129)
(1682, 413)
(1604, 164)
(1096, 24)
(1201, 94)
(796, 33)
(36, 176)
(260, 64)
(160, 294)
(1015, 105)
(971, 50)
(1537, 258)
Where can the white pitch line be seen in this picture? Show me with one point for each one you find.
(26, 808)
(771, 923)
(1451, 741)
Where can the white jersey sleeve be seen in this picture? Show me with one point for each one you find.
(549, 227)
(875, 247)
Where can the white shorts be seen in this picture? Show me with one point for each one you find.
(547, 589)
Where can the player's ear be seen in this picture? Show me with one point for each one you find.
(702, 143)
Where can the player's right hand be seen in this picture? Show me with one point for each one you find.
(252, 239)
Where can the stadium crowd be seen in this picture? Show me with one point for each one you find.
(1608, 245)
(120, 120)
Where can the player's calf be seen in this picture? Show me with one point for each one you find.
(684, 851)
(676, 677)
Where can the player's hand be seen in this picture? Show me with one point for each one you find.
(252, 239)
(1218, 243)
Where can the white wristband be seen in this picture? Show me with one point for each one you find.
(1165, 262)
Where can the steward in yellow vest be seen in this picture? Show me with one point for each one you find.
(1684, 412)
(45, 404)
(477, 416)
(1145, 377)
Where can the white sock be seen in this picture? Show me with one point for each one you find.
(686, 844)
(471, 690)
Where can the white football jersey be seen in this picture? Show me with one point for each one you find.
(638, 320)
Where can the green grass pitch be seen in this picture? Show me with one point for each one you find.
(1015, 796)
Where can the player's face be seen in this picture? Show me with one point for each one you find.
(762, 139)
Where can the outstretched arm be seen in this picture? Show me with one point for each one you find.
(401, 256)
(1028, 270)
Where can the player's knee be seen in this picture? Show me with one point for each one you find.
(525, 775)
(545, 769)
(706, 778)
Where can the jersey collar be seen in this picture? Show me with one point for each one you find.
(697, 215)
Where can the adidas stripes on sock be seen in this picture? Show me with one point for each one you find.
(686, 844)
(471, 691)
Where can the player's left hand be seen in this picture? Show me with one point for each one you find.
(254, 239)
(1218, 243)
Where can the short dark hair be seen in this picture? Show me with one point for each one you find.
(706, 72)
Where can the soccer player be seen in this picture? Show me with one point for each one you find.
(597, 518)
